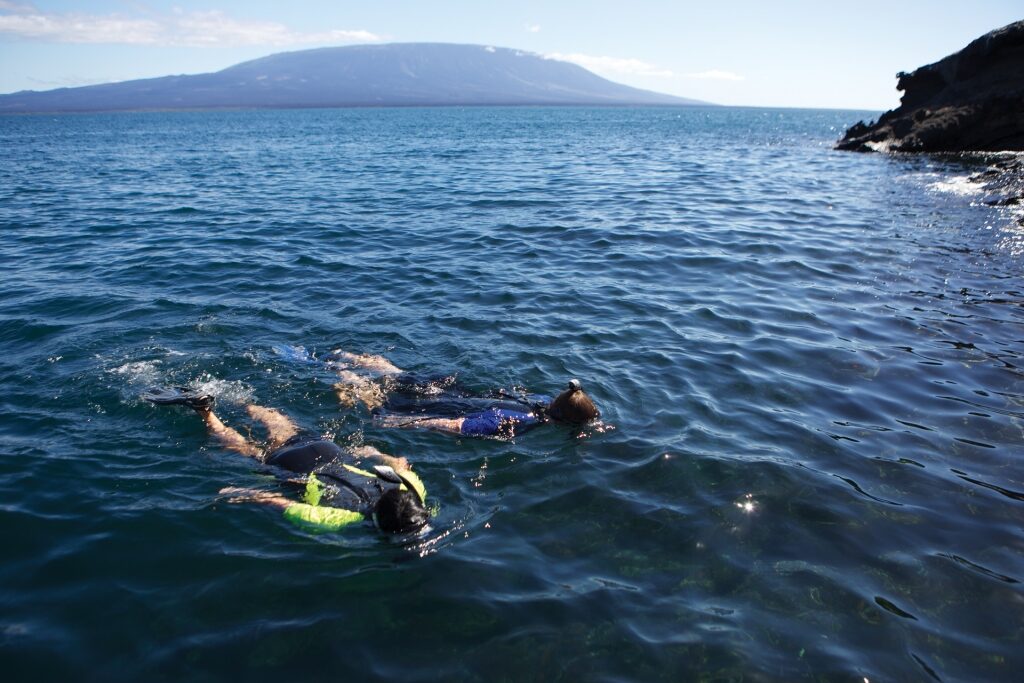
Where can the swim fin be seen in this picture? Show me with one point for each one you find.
(178, 396)
(292, 354)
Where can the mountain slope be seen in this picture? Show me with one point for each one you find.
(400, 74)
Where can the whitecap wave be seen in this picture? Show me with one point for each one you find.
(961, 186)
(232, 391)
(882, 146)
(139, 371)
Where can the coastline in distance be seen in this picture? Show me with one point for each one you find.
(397, 74)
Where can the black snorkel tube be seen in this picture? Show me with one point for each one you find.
(400, 514)
(387, 473)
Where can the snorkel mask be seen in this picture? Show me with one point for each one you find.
(387, 473)
(409, 520)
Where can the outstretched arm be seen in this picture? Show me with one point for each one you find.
(316, 518)
(451, 425)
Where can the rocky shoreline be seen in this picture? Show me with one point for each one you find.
(971, 103)
(1003, 183)
(995, 179)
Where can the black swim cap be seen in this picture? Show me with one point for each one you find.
(400, 511)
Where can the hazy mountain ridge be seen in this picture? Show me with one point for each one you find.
(399, 74)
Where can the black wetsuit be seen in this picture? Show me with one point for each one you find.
(304, 453)
(308, 454)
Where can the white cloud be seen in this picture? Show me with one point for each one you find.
(215, 28)
(616, 65)
(76, 28)
(533, 28)
(16, 6)
(192, 29)
(716, 75)
(66, 81)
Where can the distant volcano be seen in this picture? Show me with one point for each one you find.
(399, 74)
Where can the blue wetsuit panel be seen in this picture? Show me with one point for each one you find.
(489, 422)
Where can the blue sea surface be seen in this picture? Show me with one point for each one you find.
(809, 364)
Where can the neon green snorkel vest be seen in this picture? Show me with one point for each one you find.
(321, 519)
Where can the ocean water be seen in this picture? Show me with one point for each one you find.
(809, 365)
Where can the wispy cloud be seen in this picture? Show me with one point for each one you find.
(716, 75)
(16, 6)
(533, 28)
(77, 28)
(192, 29)
(615, 65)
(66, 81)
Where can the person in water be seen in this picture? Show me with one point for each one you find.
(337, 492)
(401, 400)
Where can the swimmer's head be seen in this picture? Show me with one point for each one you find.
(573, 405)
(400, 511)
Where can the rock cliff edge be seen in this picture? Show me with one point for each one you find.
(972, 100)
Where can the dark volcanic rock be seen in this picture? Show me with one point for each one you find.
(1003, 182)
(970, 101)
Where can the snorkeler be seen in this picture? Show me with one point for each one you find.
(353, 387)
(337, 493)
(410, 402)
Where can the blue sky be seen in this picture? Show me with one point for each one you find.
(791, 54)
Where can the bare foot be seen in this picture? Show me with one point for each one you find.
(355, 388)
(346, 394)
(372, 397)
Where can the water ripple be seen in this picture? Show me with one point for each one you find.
(810, 364)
